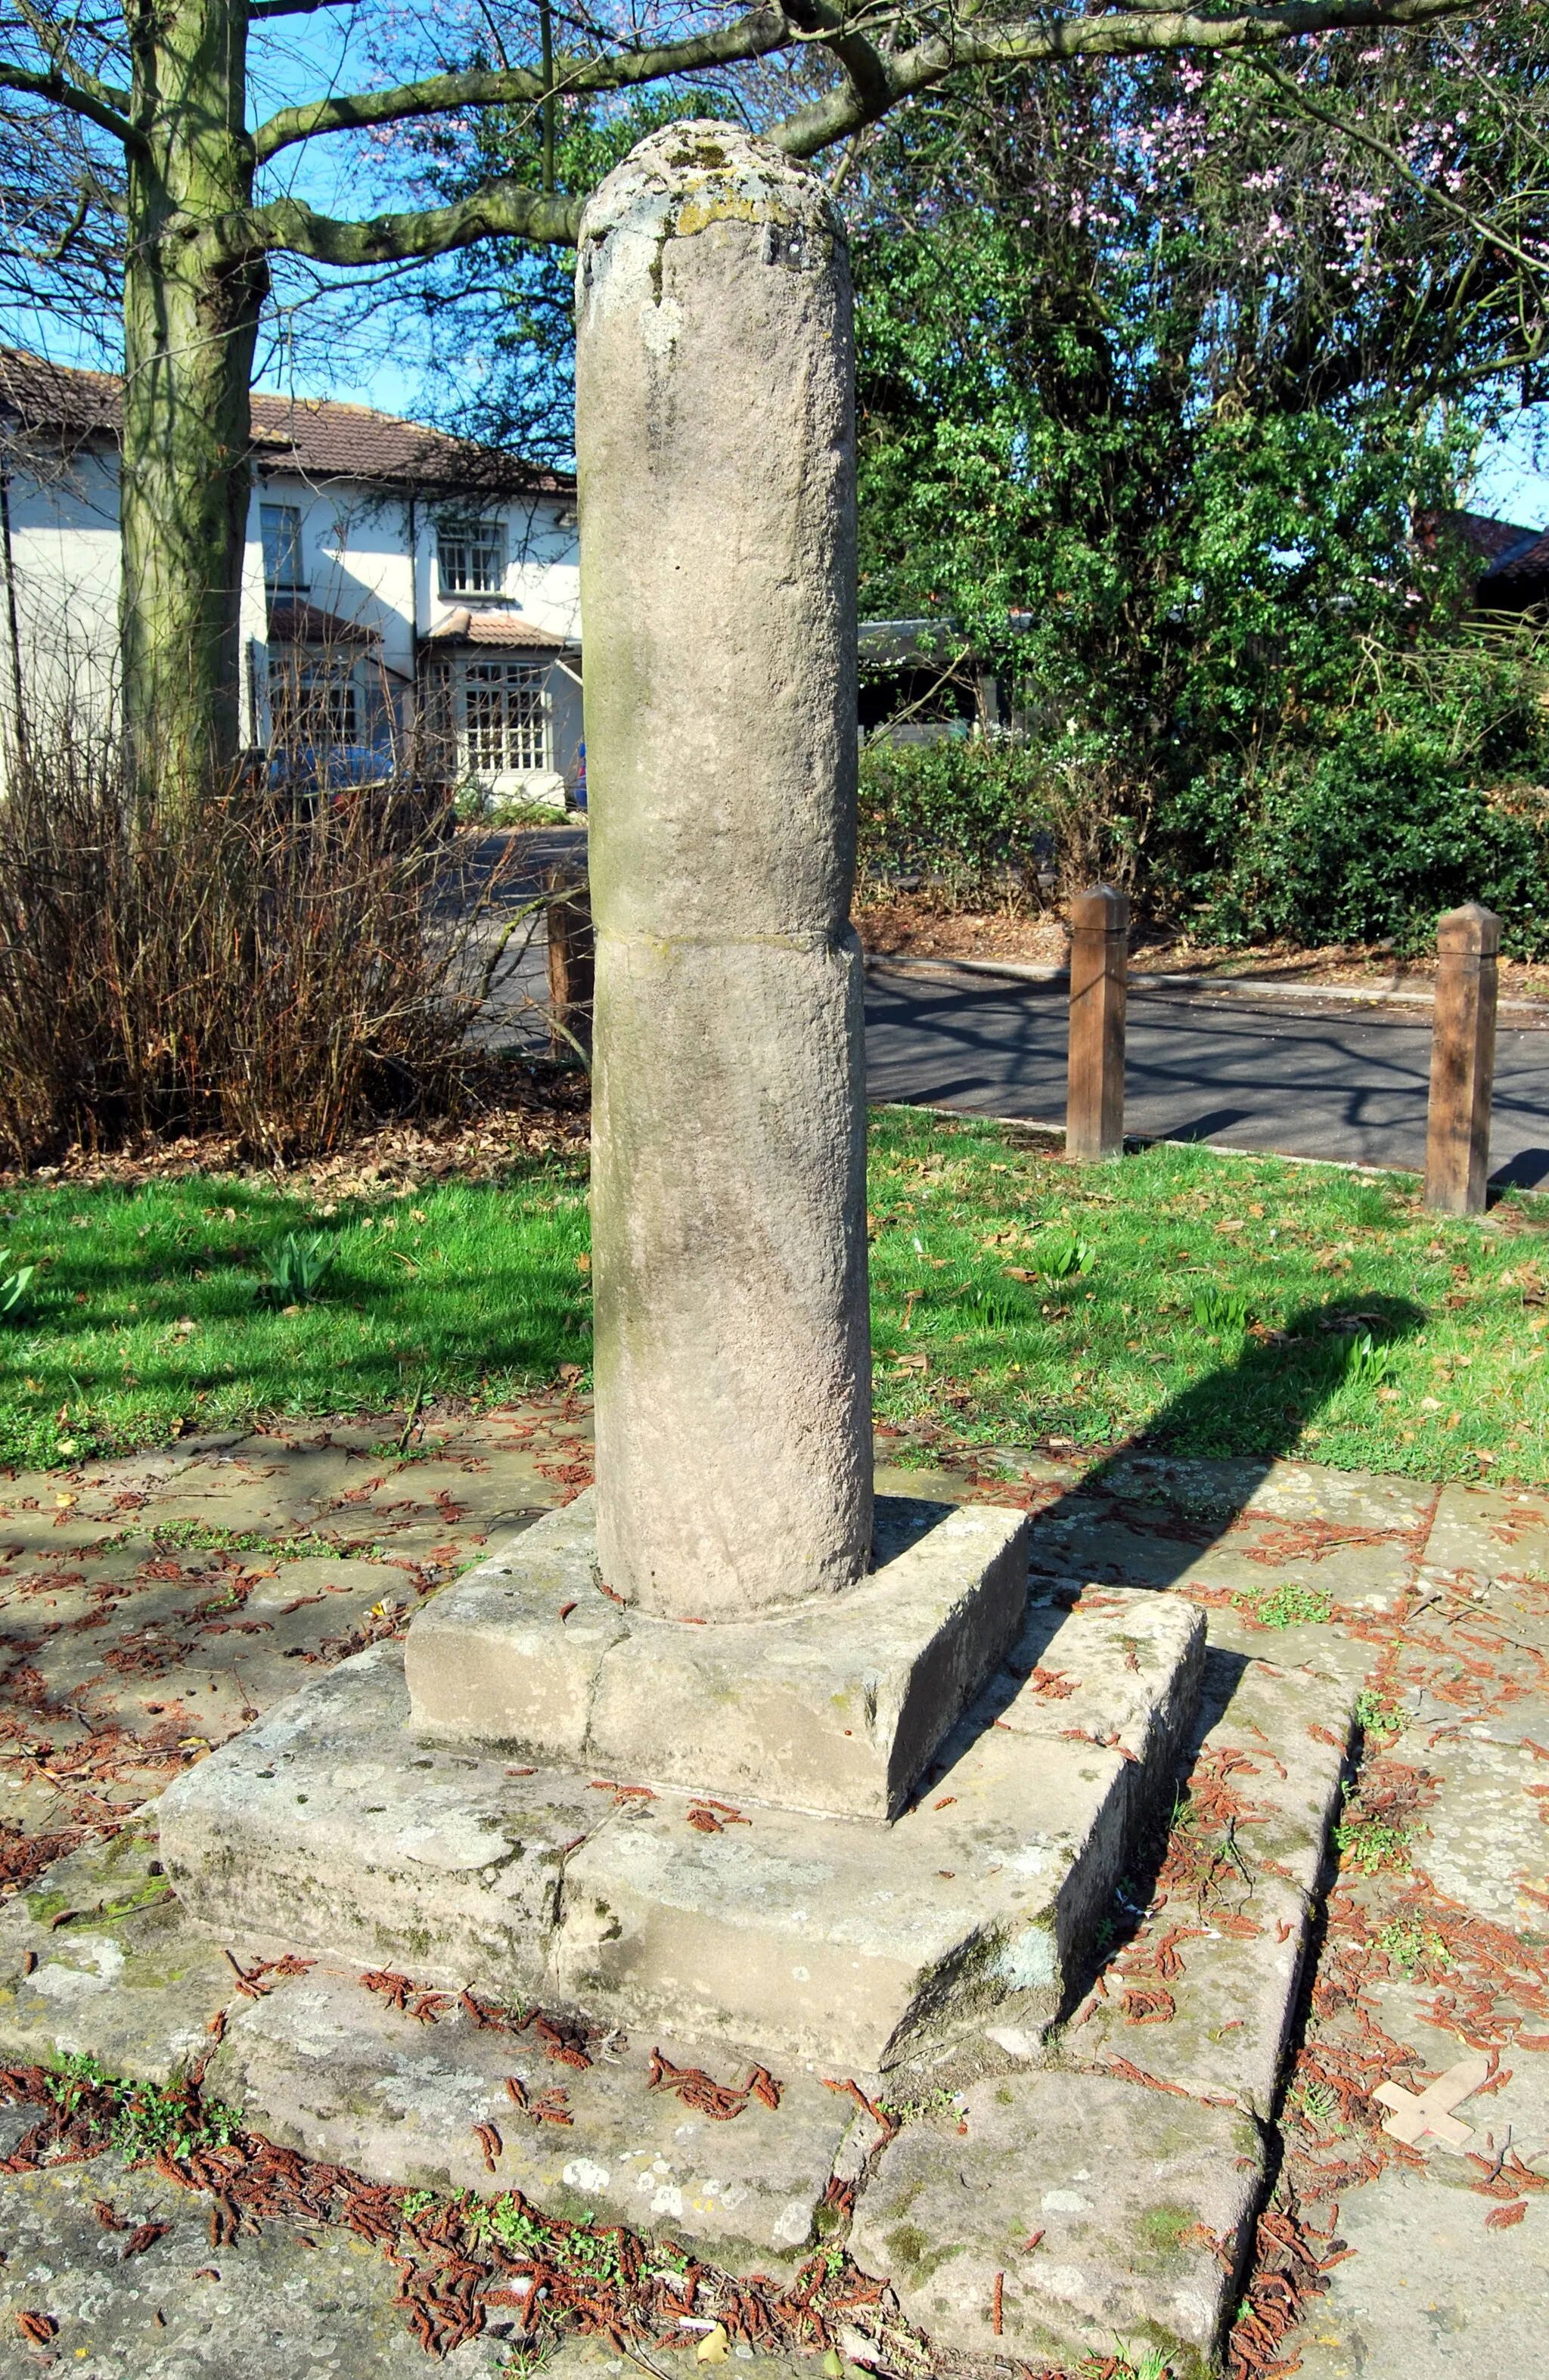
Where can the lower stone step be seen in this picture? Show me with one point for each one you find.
(1021, 2210)
(332, 1826)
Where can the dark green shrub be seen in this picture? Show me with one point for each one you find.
(983, 820)
(1365, 840)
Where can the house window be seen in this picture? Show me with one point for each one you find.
(329, 696)
(280, 526)
(504, 718)
(473, 557)
(317, 704)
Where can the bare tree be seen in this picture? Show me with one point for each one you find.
(157, 101)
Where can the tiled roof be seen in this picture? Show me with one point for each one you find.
(308, 624)
(315, 436)
(1529, 558)
(1491, 539)
(465, 627)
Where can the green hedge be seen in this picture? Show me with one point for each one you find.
(981, 819)
(1364, 839)
(1367, 840)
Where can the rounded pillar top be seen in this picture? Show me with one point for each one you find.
(1472, 927)
(679, 181)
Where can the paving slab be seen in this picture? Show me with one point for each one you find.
(1487, 1841)
(1204, 1995)
(1238, 1529)
(1430, 2292)
(124, 1977)
(1487, 1533)
(834, 1706)
(321, 2065)
(1119, 2186)
(266, 2306)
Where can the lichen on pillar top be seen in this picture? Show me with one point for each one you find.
(688, 176)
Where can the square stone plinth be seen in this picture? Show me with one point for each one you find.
(835, 1707)
(337, 1825)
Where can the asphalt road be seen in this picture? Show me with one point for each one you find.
(1304, 1077)
(1313, 1079)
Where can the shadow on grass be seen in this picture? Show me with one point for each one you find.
(1241, 1420)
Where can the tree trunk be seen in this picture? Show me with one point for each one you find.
(190, 320)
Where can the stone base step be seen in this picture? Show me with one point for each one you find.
(331, 1826)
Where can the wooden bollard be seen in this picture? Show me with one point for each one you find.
(571, 966)
(1462, 1060)
(1099, 959)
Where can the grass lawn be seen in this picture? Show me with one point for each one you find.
(1223, 1305)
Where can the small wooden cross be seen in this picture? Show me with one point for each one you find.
(1429, 2111)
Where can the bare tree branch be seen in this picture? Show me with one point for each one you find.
(754, 36)
(262, 8)
(1133, 34)
(502, 208)
(85, 97)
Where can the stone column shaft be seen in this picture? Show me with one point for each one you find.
(715, 431)
(1099, 963)
(1462, 1060)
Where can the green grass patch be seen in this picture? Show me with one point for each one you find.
(153, 1310)
(1220, 1306)
(1290, 1604)
(1227, 1305)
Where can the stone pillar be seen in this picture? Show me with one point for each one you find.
(568, 917)
(714, 433)
(1099, 959)
(1462, 1060)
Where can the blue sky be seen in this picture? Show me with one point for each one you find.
(1510, 483)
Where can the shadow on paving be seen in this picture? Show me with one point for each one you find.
(1179, 1479)
(1163, 1507)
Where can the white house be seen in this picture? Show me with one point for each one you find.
(404, 594)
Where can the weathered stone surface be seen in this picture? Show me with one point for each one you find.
(837, 1710)
(1240, 1528)
(266, 2306)
(1429, 2293)
(322, 2066)
(125, 1978)
(1279, 1747)
(718, 582)
(814, 1936)
(1123, 2183)
(326, 1826)
(1485, 1533)
(1486, 1843)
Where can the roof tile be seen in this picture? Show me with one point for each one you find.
(317, 436)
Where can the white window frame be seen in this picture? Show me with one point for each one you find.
(274, 582)
(471, 556)
(505, 720)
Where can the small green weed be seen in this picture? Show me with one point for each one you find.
(1318, 2104)
(1151, 2364)
(1215, 1308)
(1367, 1365)
(298, 1271)
(1373, 1845)
(1375, 1714)
(1411, 1945)
(141, 2118)
(1290, 1604)
(1058, 1258)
